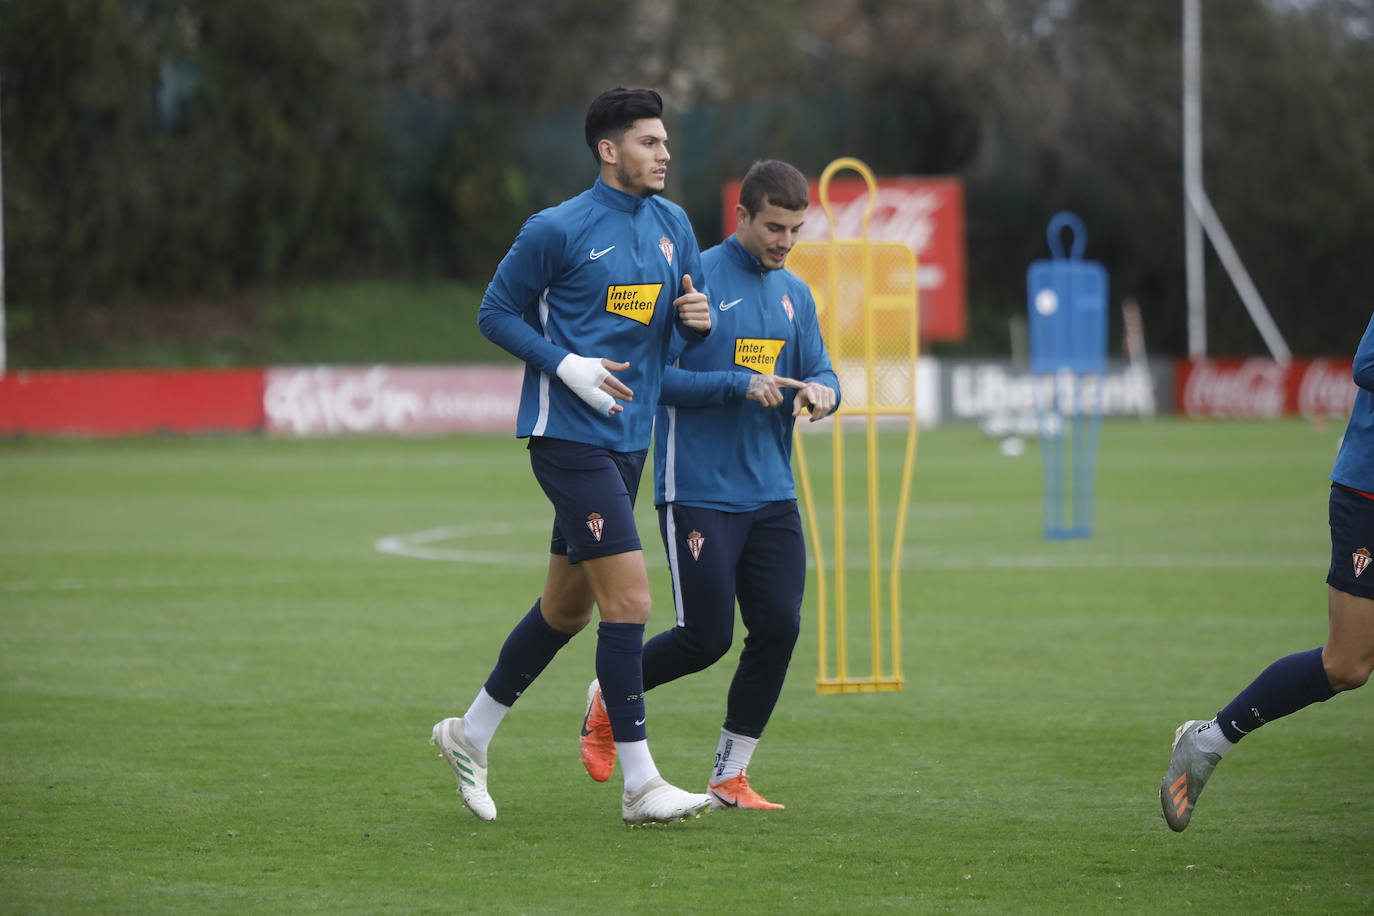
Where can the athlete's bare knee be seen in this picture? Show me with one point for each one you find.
(627, 607)
(1347, 674)
(568, 619)
(567, 610)
(1347, 662)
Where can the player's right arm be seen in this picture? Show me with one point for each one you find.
(509, 317)
(693, 388)
(704, 388)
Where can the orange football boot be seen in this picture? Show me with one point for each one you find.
(737, 793)
(597, 743)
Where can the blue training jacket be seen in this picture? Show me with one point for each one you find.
(596, 276)
(1355, 460)
(712, 447)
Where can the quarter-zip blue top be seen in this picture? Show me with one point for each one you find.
(712, 447)
(596, 276)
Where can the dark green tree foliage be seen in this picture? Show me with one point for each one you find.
(155, 148)
(76, 107)
(166, 148)
(286, 105)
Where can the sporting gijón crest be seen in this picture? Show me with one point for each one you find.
(1361, 560)
(594, 524)
(694, 542)
(665, 245)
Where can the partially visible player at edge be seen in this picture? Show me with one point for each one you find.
(723, 484)
(1316, 675)
(589, 296)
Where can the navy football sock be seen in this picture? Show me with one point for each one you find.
(526, 652)
(1286, 686)
(619, 667)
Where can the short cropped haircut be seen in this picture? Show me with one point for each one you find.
(776, 183)
(615, 111)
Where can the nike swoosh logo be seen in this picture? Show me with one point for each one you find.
(639, 721)
(1238, 728)
(726, 306)
(725, 801)
(596, 254)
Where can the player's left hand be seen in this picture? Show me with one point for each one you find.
(767, 389)
(820, 398)
(693, 307)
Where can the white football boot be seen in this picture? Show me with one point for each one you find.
(469, 766)
(657, 802)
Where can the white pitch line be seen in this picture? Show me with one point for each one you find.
(417, 545)
(414, 544)
(915, 560)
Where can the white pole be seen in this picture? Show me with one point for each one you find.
(1200, 218)
(1240, 278)
(1192, 178)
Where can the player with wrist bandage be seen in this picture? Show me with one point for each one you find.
(590, 296)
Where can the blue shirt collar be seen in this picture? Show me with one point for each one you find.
(616, 198)
(740, 255)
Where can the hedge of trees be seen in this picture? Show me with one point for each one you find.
(156, 149)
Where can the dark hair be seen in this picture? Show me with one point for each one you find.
(614, 111)
(776, 183)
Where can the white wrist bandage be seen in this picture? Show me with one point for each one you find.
(584, 375)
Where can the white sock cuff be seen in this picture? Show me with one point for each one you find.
(733, 754)
(1213, 740)
(636, 763)
(482, 718)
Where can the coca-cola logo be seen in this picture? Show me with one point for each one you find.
(1327, 390)
(1253, 388)
(899, 215)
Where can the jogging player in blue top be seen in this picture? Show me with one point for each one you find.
(590, 296)
(1316, 675)
(723, 479)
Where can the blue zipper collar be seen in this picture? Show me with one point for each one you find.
(741, 256)
(615, 198)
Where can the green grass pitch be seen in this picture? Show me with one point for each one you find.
(216, 693)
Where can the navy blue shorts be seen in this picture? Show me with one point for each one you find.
(593, 493)
(757, 557)
(1352, 542)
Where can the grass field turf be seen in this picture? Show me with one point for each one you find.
(216, 694)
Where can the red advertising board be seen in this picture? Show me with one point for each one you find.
(133, 402)
(925, 213)
(1259, 388)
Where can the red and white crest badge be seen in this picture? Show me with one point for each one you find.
(1361, 560)
(694, 542)
(665, 245)
(594, 524)
(787, 306)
